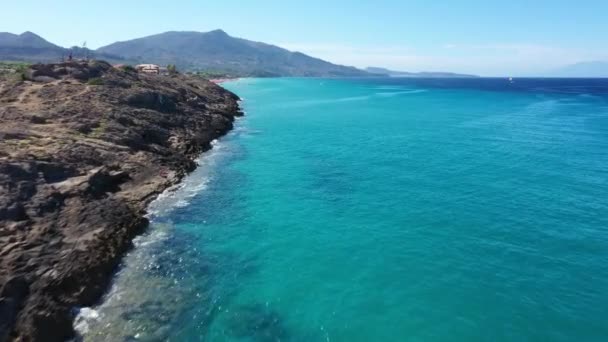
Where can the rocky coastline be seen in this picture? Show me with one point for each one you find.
(84, 148)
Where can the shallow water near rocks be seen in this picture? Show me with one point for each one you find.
(381, 210)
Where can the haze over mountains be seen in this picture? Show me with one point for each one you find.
(583, 69)
(215, 50)
(424, 74)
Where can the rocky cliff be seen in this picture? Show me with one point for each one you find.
(84, 147)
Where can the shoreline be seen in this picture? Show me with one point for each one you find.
(129, 283)
(219, 81)
(98, 322)
(99, 209)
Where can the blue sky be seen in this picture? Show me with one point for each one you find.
(513, 37)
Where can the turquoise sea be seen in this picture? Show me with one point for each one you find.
(381, 210)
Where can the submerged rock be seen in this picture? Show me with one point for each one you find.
(257, 323)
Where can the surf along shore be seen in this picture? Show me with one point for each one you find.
(84, 148)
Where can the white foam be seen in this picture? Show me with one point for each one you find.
(153, 237)
(83, 317)
(180, 195)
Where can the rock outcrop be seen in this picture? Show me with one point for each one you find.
(84, 147)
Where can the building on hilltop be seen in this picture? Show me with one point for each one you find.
(148, 69)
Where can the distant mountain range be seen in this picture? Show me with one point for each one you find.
(425, 74)
(219, 53)
(216, 50)
(30, 47)
(583, 69)
(193, 51)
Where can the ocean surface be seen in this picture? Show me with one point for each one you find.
(381, 210)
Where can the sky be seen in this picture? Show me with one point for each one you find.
(488, 37)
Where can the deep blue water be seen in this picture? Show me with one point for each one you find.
(574, 86)
(382, 210)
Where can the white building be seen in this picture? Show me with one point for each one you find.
(148, 68)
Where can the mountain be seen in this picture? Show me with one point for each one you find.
(425, 74)
(583, 69)
(191, 51)
(27, 47)
(30, 47)
(26, 39)
(216, 50)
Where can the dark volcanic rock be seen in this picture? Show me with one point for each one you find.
(12, 295)
(79, 162)
(152, 100)
(77, 70)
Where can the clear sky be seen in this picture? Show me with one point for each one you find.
(488, 37)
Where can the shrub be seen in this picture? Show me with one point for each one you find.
(95, 81)
(100, 129)
(128, 68)
(172, 69)
(13, 71)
